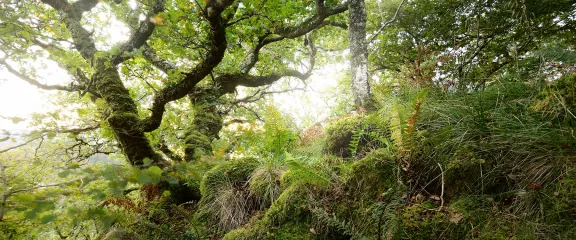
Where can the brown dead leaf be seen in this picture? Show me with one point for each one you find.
(455, 217)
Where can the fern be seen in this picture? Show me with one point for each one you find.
(300, 173)
(278, 138)
(403, 123)
(355, 141)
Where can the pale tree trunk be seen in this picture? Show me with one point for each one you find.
(358, 53)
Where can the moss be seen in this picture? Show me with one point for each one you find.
(205, 127)
(372, 175)
(196, 145)
(225, 202)
(419, 221)
(265, 183)
(284, 218)
(287, 231)
(338, 135)
(362, 204)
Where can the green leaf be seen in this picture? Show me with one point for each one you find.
(154, 171)
(73, 166)
(143, 179)
(155, 174)
(166, 193)
(16, 120)
(31, 214)
(82, 111)
(148, 161)
(95, 212)
(51, 135)
(48, 218)
(25, 34)
(64, 174)
(107, 221)
(25, 197)
(172, 180)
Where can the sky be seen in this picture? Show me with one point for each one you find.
(20, 99)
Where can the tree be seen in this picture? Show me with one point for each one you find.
(202, 51)
(358, 52)
(473, 41)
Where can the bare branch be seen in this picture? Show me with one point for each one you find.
(151, 56)
(256, 97)
(41, 186)
(20, 145)
(44, 132)
(35, 82)
(386, 24)
(335, 24)
(167, 151)
(233, 121)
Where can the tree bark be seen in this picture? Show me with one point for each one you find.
(207, 123)
(358, 53)
(123, 118)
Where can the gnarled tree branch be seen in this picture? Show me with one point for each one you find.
(141, 35)
(71, 14)
(186, 84)
(307, 26)
(152, 57)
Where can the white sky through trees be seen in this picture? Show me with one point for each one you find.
(20, 99)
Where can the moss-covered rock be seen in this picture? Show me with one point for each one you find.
(287, 231)
(361, 204)
(285, 218)
(264, 183)
(338, 135)
(373, 175)
(226, 202)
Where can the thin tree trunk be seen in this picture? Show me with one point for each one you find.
(358, 53)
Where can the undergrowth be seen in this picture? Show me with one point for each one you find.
(493, 164)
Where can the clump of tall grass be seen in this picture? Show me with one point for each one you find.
(486, 143)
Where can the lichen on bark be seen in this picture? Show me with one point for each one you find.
(358, 53)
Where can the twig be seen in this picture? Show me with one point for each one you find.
(386, 24)
(20, 145)
(442, 191)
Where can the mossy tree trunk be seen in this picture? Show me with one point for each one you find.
(123, 118)
(207, 123)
